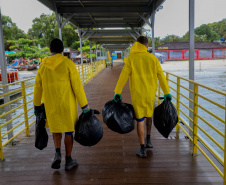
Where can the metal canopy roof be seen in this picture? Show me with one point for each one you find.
(111, 36)
(105, 13)
(116, 46)
(93, 17)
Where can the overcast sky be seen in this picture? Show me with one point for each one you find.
(172, 19)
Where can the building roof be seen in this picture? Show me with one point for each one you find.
(185, 45)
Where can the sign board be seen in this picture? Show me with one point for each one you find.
(160, 48)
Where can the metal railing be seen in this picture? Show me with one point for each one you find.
(22, 119)
(206, 125)
(22, 106)
(88, 71)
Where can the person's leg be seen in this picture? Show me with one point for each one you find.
(148, 129)
(140, 132)
(57, 142)
(148, 125)
(68, 141)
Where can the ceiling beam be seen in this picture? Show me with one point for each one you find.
(145, 20)
(115, 45)
(111, 39)
(88, 37)
(128, 34)
(85, 10)
(65, 22)
(107, 25)
(113, 42)
(132, 35)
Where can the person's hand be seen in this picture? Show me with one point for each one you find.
(168, 96)
(86, 109)
(37, 109)
(117, 97)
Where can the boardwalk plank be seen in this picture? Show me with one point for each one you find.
(113, 159)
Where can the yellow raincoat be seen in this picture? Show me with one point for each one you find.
(142, 68)
(58, 84)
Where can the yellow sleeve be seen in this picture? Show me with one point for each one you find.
(126, 72)
(38, 90)
(77, 85)
(162, 79)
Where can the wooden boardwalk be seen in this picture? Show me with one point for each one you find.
(113, 159)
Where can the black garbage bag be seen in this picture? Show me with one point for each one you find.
(119, 116)
(41, 136)
(165, 117)
(88, 129)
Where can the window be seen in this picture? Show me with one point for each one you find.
(205, 53)
(186, 54)
(164, 53)
(220, 53)
(175, 54)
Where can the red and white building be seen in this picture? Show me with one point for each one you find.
(203, 50)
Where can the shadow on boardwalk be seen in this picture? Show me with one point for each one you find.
(113, 159)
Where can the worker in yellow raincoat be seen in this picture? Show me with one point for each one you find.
(59, 86)
(143, 69)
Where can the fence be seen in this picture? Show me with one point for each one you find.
(198, 53)
(20, 116)
(204, 123)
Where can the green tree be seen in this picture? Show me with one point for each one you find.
(68, 34)
(197, 37)
(86, 49)
(219, 28)
(26, 49)
(171, 38)
(45, 28)
(223, 28)
(208, 31)
(158, 41)
(10, 30)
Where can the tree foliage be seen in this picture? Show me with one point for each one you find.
(86, 48)
(26, 49)
(10, 30)
(205, 32)
(45, 28)
(158, 41)
(208, 31)
(219, 28)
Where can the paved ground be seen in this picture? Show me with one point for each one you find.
(113, 159)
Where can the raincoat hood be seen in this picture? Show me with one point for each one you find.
(53, 61)
(138, 48)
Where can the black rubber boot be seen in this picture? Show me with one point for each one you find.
(70, 163)
(142, 152)
(56, 161)
(148, 143)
